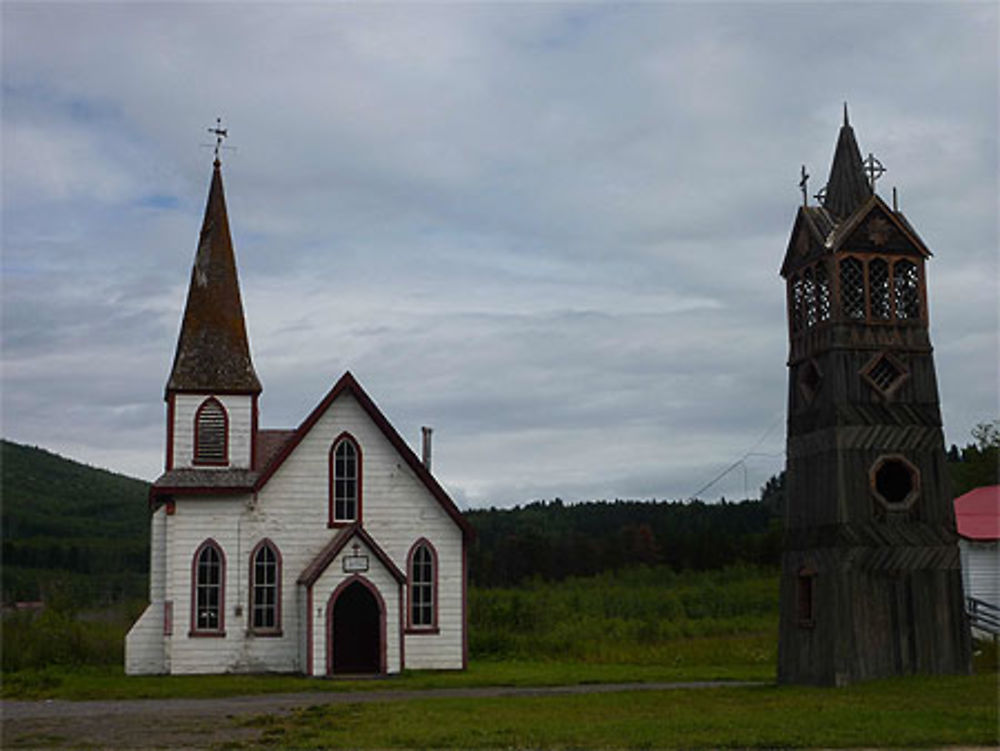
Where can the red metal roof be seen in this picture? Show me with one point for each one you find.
(978, 513)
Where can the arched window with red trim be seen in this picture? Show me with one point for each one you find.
(208, 586)
(211, 433)
(345, 481)
(265, 589)
(422, 570)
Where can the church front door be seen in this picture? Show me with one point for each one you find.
(356, 626)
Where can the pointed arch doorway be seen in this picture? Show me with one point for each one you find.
(355, 624)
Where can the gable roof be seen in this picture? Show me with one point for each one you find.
(348, 385)
(213, 353)
(314, 570)
(977, 513)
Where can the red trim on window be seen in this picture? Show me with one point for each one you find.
(193, 630)
(431, 628)
(278, 572)
(381, 618)
(225, 435)
(170, 432)
(402, 630)
(331, 521)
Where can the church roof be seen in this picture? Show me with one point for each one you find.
(977, 513)
(847, 188)
(213, 353)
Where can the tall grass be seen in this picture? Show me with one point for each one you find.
(628, 616)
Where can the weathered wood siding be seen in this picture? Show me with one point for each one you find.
(239, 412)
(292, 511)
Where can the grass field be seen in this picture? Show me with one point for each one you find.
(910, 712)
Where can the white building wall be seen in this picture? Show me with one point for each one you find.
(981, 569)
(144, 643)
(292, 511)
(239, 409)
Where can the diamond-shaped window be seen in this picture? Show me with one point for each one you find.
(885, 374)
(810, 379)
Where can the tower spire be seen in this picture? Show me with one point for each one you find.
(213, 353)
(848, 186)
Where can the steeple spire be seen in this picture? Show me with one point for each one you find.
(847, 187)
(213, 353)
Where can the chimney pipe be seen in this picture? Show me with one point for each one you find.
(426, 431)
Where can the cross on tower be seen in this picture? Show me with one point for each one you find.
(803, 186)
(874, 169)
(219, 133)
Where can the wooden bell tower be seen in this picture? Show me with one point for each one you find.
(870, 584)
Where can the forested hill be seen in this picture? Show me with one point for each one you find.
(553, 540)
(70, 530)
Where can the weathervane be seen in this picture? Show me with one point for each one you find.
(220, 133)
(803, 186)
(874, 169)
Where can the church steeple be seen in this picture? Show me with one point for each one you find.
(848, 186)
(213, 353)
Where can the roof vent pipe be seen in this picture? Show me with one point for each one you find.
(426, 451)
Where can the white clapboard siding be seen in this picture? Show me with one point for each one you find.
(144, 645)
(981, 569)
(292, 511)
(239, 412)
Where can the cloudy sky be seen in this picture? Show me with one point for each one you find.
(552, 231)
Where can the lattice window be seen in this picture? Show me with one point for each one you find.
(796, 306)
(822, 293)
(345, 481)
(809, 292)
(852, 288)
(906, 284)
(878, 289)
(210, 443)
(264, 586)
(885, 374)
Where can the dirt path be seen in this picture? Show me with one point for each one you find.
(202, 723)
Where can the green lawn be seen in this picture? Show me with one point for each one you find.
(906, 712)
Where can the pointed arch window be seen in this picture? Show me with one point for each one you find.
(265, 589)
(345, 481)
(211, 433)
(208, 577)
(422, 570)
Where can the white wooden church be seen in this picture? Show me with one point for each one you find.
(327, 549)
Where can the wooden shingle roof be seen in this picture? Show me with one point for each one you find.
(213, 352)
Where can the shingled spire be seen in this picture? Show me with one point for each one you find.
(848, 186)
(213, 354)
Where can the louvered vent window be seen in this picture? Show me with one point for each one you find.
(210, 442)
(885, 374)
(852, 288)
(878, 286)
(906, 283)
